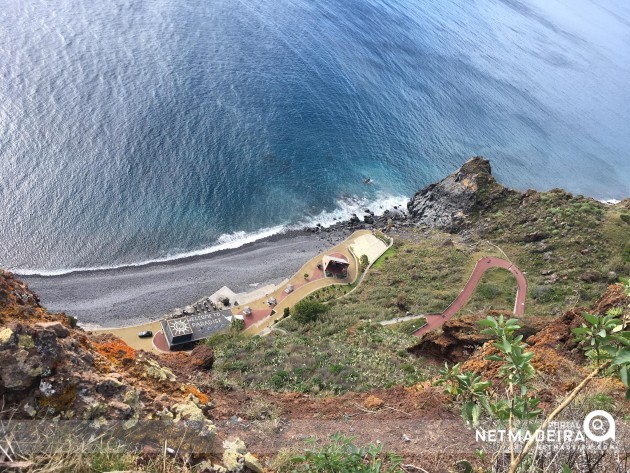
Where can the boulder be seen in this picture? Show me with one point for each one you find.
(237, 445)
(252, 463)
(202, 357)
(232, 460)
(591, 276)
(189, 411)
(60, 330)
(35, 354)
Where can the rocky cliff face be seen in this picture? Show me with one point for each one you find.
(448, 204)
(460, 337)
(556, 353)
(52, 371)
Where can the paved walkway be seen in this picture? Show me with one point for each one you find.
(399, 320)
(261, 317)
(437, 320)
(303, 287)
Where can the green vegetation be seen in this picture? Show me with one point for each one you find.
(410, 326)
(364, 262)
(326, 357)
(567, 245)
(570, 249)
(384, 238)
(342, 455)
(329, 293)
(237, 325)
(308, 310)
(605, 341)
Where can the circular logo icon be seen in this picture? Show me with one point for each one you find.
(599, 426)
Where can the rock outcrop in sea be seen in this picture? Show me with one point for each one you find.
(448, 204)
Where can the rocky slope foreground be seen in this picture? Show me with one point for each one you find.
(50, 370)
(81, 384)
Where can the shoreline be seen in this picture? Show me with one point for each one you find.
(133, 295)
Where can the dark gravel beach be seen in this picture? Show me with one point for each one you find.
(134, 295)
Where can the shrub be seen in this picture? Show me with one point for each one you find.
(237, 325)
(307, 311)
(401, 301)
(342, 455)
(279, 379)
(364, 262)
(286, 312)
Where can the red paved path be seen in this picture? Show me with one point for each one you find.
(437, 320)
(159, 342)
(256, 316)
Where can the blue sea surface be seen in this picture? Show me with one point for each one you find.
(134, 131)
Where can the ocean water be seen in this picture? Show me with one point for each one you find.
(134, 131)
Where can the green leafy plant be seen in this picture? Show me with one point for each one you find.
(604, 339)
(515, 373)
(467, 387)
(343, 456)
(598, 335)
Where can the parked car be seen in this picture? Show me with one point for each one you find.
(145, 334)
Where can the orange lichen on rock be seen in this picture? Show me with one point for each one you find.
(116, 351)
(190, 389)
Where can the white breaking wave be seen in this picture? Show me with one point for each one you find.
(354, 205)
(610, 201)
(344, 210)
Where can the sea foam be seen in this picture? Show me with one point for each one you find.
(344, 210)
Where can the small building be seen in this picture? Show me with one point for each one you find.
(335, 265)
(187, 329)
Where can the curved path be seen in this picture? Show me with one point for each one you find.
(437, 320)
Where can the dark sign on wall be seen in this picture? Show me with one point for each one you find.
(195, 327)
